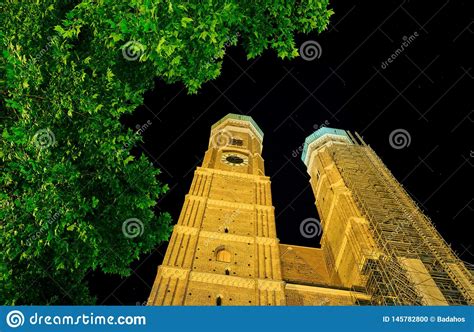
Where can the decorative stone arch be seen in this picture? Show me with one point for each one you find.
(222, 254)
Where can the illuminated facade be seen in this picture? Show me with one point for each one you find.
(377, 246)
(224, 249)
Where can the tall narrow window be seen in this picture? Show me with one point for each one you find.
(218, 301)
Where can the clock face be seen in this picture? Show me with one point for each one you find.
(234, 159)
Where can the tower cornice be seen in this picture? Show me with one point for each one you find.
(239, 119)
(320, 136)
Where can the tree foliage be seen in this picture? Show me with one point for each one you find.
(69, 71)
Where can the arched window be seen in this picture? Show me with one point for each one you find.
(227, 272)
(223, 255)
(226, 230)
(218, 301)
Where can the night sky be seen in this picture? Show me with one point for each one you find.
(426, 90)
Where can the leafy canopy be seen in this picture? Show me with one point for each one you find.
(69, 71)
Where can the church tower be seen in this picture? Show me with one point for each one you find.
(376, 240)
(377, 246)
(224, 249)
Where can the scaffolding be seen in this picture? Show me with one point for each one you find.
(400, 230)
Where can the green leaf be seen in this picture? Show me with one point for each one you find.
(128, 159)
(95, 202)
(185, 21)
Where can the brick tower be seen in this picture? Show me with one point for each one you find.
(224, 249)
(375, 238)
(377, 246)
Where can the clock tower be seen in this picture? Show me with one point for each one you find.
(224, 249)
